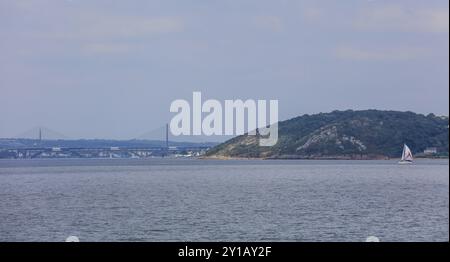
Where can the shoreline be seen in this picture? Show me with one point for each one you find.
(228, 158)
(310, 158)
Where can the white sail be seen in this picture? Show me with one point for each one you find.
(406, 155)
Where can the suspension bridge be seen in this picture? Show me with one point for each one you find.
(41, 142)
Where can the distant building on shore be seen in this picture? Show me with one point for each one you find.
(430, 151)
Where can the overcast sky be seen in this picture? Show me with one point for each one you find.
(110, 69)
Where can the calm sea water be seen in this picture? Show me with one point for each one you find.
(205, 200)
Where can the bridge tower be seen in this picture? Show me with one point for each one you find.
(167, 137)
(166, 148)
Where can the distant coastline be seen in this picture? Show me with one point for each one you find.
(314, 158)
(339, 135)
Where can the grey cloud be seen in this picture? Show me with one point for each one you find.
(402, 19)
(269, 22)
(387, 54)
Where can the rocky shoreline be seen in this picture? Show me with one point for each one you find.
(363, 157)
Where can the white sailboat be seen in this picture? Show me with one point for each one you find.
(407, 156)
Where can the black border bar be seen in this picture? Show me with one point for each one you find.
(264, 251)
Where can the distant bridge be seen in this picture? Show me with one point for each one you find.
(109, 152)
(42, 149)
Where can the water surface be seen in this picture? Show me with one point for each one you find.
(206, 200)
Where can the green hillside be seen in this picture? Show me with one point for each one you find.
(350, 134)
